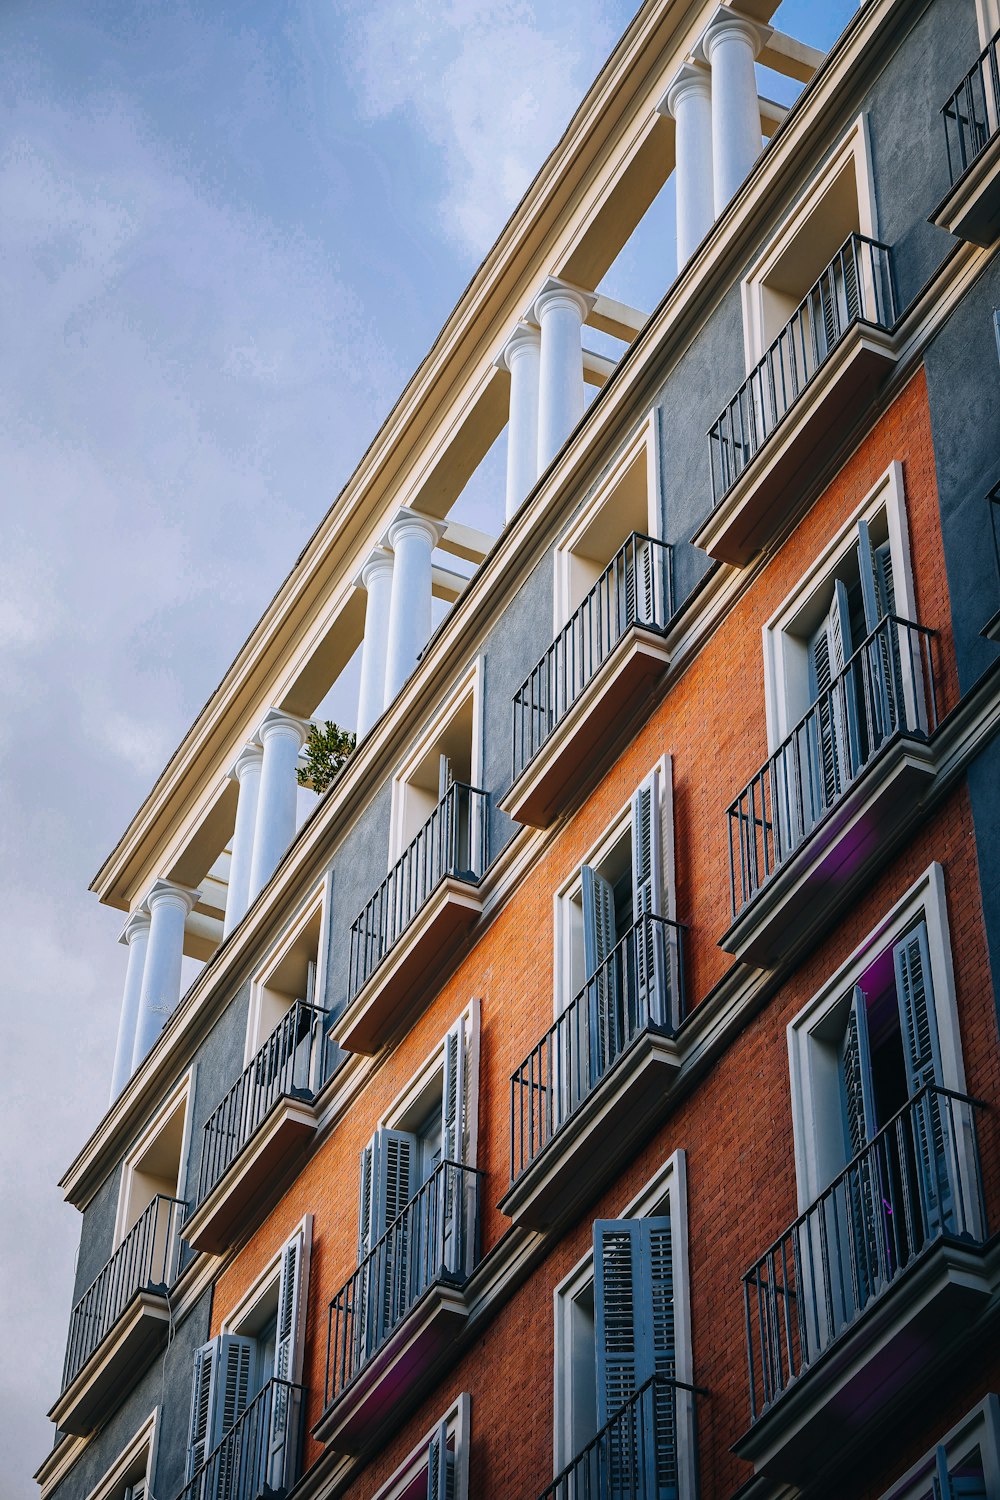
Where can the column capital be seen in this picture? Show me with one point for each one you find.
(555, 293)
(377, 563)
(168, 893)
(249, 757)
(415, 523)
(136, 923)
(276, 723)
(691, 78)
(525, 338)
(727, 24)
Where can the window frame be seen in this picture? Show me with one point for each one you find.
(430, 1070)
(667, 1188)
(180, 1097)
(143, 1443)
(780, 669)
(979, 1427)
(469, 686)
(811, 1123)
(319, 899)
(458, 1417)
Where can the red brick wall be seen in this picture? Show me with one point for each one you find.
(736, 1127)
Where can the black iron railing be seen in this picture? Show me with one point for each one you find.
(918, 1182)
(856, 287)
(634, 589)
(451, 843)
(147, 1260)
(259, 1456)
(289, 1064)
(972, 114)
(886, 688)
(635, 1456)
(435, 1239)
(638, 989)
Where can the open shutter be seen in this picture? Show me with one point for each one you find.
(388, 1176)
(600, 938)
(856, 1076)
(220, 1393)
(288, 1353)
(878, 596)
(599, 934)
(829, 651)
(454, 1142)
(647, 902)
(922, 1056)
(865, 1247)
(634, 1306)
(440, 1466)
(200, 1428)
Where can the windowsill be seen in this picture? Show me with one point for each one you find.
(971, 208)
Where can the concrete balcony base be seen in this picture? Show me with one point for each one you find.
(971, 211)
(391, 995)
(762, 500)
(835, 858)
(252, 1177)
(574, 749)
(121, 1355)
(840, 1400)
(396, 1377)
(597, 1138)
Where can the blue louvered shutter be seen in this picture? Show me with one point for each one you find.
(634, 1307)
(451, 1197)
(288, 1352)
(220, 1394)
(388, 1180)
(863, 1227)
(878, 596)
(200, 1425)
(833, 725)
(440, 1466)
(599, 940)
(922, 1056)
(647, 901)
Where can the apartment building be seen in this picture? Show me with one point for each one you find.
(597, 1095)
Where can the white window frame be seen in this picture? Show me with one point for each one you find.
(469, 685)
(179, 1097)
(459, 1426)
(142, 1445)
(644, 445)
(567, 896)
(978, 1428)
(238, 1315)
(855, 145)
(666, 1188)
(319, 899)
(987, 20)
(781, 665)
(809, 1061)
(432, 1068)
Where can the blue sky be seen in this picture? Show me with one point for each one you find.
(228, 232)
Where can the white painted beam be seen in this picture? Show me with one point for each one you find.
(466, 541)
(771, 115)
(597, 368)
(790, 57)
(617, 318)
(447, 585)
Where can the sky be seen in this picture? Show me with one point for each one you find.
(229, 230)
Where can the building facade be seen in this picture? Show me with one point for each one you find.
(596, 1095)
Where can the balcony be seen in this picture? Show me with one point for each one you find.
(865, 1289)
(397, 1317)
(120, 1320)
(646, 1450)
(426, 903)
(598, 1079)
(817, 818)
(795, 407)
(260, 1454)
(265, 1121)
(571, 710)
(971, 208)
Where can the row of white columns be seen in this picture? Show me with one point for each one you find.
(154, 933)
(716, 110)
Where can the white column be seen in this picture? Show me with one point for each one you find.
(281, 736)
(168, 905)
(520, 356)
(731, 44)
(135, 936)
(246, 773)
(689, 101)
(412, 538)
(560, 310)
(376, 579)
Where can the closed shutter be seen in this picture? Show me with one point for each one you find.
(647, 901)
(288, 1355)
(220, 1394)
(634, 1306)
(600, 938)
(440, 1466)
(922, 1056)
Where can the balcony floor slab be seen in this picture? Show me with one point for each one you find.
(124, 1351)
(971, 210)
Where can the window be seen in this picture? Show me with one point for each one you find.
(438, 1467)
(622, 1320)
(965, 1465)
(130, 1476)
(449, 752)
(153, 1177)
(250, 1375)
(295, 970)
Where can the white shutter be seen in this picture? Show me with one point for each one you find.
(289, 1349)
(459, 1130)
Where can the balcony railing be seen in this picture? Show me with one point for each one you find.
(886, 688)
(638, 988)
(856, 287)
(451, 843)
(918, 1182)
(435, 1239)
(291, 1063)
(972, 114)
(259, 1455)
(634, 589)
(145, 1261)
(635, 1455)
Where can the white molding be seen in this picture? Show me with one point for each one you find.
(459, 1419)
(978, 1428)
(265, 1282)
(142, 1444)
(180, 1096)
(431, 1069)
(926, 897)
